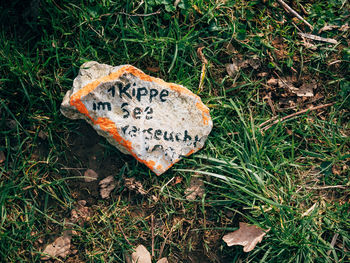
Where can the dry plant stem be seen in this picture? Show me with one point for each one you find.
(317, 38)
(163, 245)
(294, 13)
(295, 114)
(271, 104)
(327, 187)
(334, 239)
(126, 14)
(121, 230)
(152, 229)
(143, 15)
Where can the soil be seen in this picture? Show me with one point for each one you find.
(86, 152)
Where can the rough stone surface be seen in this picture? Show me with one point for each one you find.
(156, 122)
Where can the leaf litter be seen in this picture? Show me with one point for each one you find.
(134, 185)
(61, 246)
(195, 189)
(247, 236)
(107, 185)
(142, 255)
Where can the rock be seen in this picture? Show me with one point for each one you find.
(156, 122)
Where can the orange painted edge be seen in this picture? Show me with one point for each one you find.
(108, 126)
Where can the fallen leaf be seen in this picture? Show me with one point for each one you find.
(195, 189)
(81, 213)
(134, 185)
(11, 124)
(247, 236)
(153, 69)
(344, 28)
(2, 157)
(307, 89)
(201, 55)
(254, 63)
(42, 135)
(59, 248)
(90, 175)
(178, 180)
(272, 81)
(232, 69)
(107, 185)
(263, 74)
(141, 255)
(308, 45)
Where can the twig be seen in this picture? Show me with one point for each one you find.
(317, 38)
(121, 230)
(294, 13)
(294, 114)
(152, 231)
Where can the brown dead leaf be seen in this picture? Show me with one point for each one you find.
(272, 81)
(262, 74)
(247, 236)
(141, 255)
(232, 69)
(344, 28)
(306, 43)
(106, 186)
(134, 185)
(2, 157)
(90, 175)
(153, 69)
(229, 47)
(201, 55)
(42, 135)
(254, 63)
(81, 213)
(59, 248)
(178, 180)
(307, 89)
(195, 189)
(12, 124)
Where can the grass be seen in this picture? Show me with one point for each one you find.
(293, 178)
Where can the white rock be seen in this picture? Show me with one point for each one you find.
(156, 122)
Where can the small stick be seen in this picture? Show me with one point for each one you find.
(294, 13)
(317, 38)
(121, 230)
(296, 114)
(152, 231)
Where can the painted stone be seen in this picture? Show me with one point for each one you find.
(156, 122)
